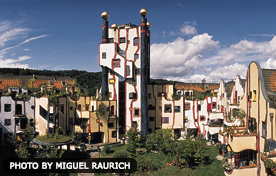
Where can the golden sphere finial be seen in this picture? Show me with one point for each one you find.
(148, 25)
(143, 12)
(105, 15)
(114, 26)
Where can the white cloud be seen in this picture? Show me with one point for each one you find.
(15, 63)
(188, 30)
(270, 64)
(180, 57)
(10, 31)
(228, 72)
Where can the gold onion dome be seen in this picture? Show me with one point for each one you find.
(148, 25)
(105, 15)
(143, 12)
(113, 26)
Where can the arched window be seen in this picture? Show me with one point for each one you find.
(136, 41)
(79, 107)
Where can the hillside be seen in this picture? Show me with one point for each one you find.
(90, 81)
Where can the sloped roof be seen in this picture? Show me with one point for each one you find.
(26, 81)
(269, 76)
(196, 86)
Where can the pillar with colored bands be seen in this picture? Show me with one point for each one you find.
(144, 77)
(104, 69)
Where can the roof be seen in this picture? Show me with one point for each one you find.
(229, 86)
(26, 82)
(196, 86)
(269, 76)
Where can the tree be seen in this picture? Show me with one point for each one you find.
(164, 139)
(203, 84)
(133, 140)
(191, 151)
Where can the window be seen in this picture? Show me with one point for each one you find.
(136, 112)
(110, 124)
(199, 107)
(187, 106)
(18, 109)
(111, 81)
(134, 123)
(104, 55)
(168, 108)
(177, 109)
(165, 119)
(43, 112)
(112, 110)
(79, 107)
(92, 109)
(110, 40)
(159, 94)
(132, 95)
(202, 118)
(51, 82)
(263, 130)
(151, 119)
(7, 122)
(122, 53)
(128, 70)
(114, 134)
(7, 107)
(122, 40)
(151, 107)
(187, 93)
(136, 41)
(87, 107)
(134, 83)
(214, 105)
(136, 56)
(254, 95)
(63, 83)
(149, 95)
(71, 107)
(116, 62)
(138, 71)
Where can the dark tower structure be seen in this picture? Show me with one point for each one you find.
(105, 16)
(144, 72)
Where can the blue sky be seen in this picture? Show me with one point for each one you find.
(190, 40)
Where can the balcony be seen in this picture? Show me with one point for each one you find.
(240, 141)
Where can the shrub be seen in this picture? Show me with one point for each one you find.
(149, 162)
(165, 140)
(120, 154)
(106, 148)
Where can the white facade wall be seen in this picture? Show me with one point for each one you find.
(40, 122)
(28, 111)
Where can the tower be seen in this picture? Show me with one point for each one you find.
(124, 58)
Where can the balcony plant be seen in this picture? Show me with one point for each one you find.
(228, 167)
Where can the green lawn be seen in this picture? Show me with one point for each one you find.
(212, 166)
